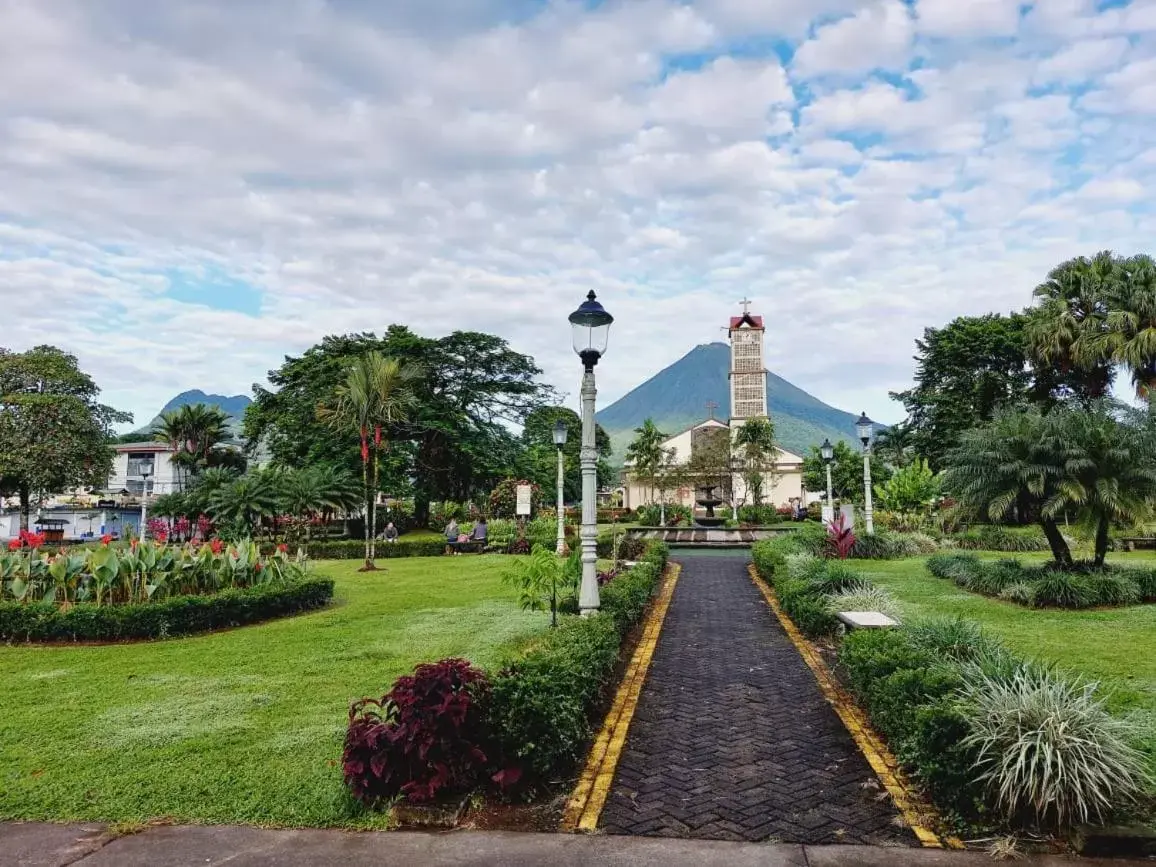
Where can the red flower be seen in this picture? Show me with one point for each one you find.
(283, 548)
(133, 543)
(14, 545)
(216, 545)
(105, 539)
(160, 538)
(33, 540)
(258, 566)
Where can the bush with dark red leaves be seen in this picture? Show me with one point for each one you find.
(424, 738)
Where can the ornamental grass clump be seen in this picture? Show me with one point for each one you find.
(1046, 748)
(863, 597)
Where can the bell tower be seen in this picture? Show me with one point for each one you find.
(748, 374)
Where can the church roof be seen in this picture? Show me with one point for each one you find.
(748, 319)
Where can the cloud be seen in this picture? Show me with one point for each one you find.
(859, 169)
(876, 37)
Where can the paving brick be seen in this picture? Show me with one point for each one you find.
(732, 738)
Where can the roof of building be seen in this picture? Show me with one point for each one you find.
(748, 319)
(143, 447)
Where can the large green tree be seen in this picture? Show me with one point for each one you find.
(965, 372)
(644, 454)
(194, 432)
(54, 432)
(456, 443)
(541, 455)
(846, 473)
(1129, 338)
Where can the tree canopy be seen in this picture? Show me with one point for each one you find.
(541, 455)
(455, 444)
(54, 432)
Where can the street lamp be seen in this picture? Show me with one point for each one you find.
(828, 452)
(865, 428)
(145, 471)
(590, 327)
(560, 442)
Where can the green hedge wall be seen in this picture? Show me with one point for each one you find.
(354, 549)
(542, 706)
(180, 615)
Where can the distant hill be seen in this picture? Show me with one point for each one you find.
(233, 406)
(676, 398)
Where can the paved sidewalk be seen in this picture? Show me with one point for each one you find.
(732, 738)
(38, 845)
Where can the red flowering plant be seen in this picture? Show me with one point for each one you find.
(105, 540)
(840, 538)
(15, 545)
(425, 737)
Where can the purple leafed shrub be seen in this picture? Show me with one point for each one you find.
(424, 737)
(840, 538)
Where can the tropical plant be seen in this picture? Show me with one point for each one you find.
(1129, 335)
(193, 432)
(755, 441)
(378, 392)
(1047, 748)
(645, 457)
(912, 489)
(840, 537)
(243, 502)
(863, 596)
(314, 494)
(543, 579)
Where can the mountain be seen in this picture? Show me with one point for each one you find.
(676, 398)
(233, 406)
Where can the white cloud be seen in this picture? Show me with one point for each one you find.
(876, 37)
(951, 18)
(209, 187)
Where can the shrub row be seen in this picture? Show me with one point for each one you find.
(1044, 586)
(516, 731)
(179, 615)
(994, 739)
(993, 537)
(629, 547)
(354, 549)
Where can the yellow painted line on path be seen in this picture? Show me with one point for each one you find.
(589, 797)
(883, 763)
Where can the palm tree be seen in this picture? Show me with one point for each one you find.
(645, 456)
(245, 501)
(377, 392)
(316, 492)
(1005, 465)
(756, 440)
(1067, 329)
(895, 445)
(193, 432)
(1129, 338)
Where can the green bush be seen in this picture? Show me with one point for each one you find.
(178, 615)
(1056, 589)
(354, 549)
(1116, 588)
(1146, 582)
(993, 537)
(1023, 593)
(938, 757)
(542, 703)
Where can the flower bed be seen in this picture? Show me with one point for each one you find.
(512, 732)
(1043, 586)
(994, 739)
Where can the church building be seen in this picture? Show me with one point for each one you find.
(748, 399)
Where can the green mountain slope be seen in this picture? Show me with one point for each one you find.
(234, 407)
(677, 397)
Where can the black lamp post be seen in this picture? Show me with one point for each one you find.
(590, 327)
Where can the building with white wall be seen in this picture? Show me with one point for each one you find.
(134, 460)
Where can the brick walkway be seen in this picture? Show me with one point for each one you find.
(732, 739)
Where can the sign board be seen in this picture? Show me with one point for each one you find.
(523, 504)
(828, 514)
(848, 512)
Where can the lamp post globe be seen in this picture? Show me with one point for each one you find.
(560, 442)
(590, 333)
(866, 429)
(827, 451)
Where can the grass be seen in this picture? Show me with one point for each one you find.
(1116, 646)
(244, 725)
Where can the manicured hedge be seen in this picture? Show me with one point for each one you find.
(354, 549)
(180, 615)
(1042, 586)
(542, 705)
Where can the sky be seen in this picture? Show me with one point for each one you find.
(191, 190)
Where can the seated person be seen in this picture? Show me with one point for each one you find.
(481, 530)
(390, 534)
(451, 534)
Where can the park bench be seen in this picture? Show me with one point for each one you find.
(1139, 543)
(470, 546)
(866, 620)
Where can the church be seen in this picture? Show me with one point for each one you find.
(748, 399)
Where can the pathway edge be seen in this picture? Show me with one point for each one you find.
(589, 797)
(878, 755)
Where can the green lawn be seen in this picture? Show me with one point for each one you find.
(244, 725)
(1115, 646)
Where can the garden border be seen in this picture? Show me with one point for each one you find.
(874, 749)
(584, 807)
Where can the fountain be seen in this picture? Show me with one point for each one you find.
(708, 500)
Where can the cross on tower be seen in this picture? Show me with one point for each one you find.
(711, 406)
(746, 302)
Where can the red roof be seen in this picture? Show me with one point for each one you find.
(755, 321)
